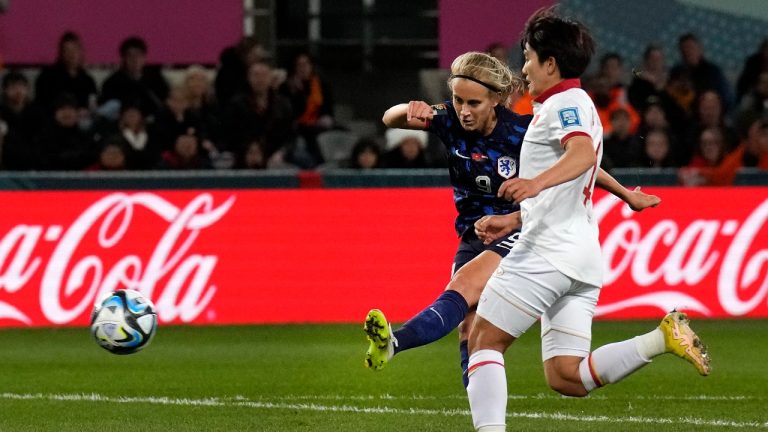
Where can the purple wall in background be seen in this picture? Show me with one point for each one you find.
(179, 31)
(472, 26)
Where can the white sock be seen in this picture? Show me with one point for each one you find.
(611, 363)
(651, 344)
(487, 390)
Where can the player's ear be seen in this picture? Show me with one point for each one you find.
(551, 65)
(496, 98)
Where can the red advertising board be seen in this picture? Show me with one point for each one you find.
(284, 256)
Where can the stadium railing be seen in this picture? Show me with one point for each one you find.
(291, 179)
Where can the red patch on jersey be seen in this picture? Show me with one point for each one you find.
(478, 156)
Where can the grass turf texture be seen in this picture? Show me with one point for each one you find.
(312, 378)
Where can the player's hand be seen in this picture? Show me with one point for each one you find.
(419, 110)
(492, 228)
(518, 189)
(638, 200)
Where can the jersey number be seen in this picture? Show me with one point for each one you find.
(483, 183)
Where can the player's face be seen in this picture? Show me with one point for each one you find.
(540, 75)
(474, 106)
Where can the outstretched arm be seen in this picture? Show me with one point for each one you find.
(636, 199)
(413, 115)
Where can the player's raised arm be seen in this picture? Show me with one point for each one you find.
(411, 115)
(636, 199)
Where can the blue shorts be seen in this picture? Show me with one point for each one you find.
(471, 246)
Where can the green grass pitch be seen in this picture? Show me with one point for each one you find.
(312, 378)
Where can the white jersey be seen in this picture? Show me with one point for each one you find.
(558, 224)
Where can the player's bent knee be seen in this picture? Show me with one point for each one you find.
(567, 388)
(465, 327)
(486, 336)
(563, 376)
(467, 287)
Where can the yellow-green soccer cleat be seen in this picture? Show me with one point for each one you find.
(379, 334)
(681, 341)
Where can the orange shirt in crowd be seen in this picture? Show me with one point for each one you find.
(725, 173)
(523, 104)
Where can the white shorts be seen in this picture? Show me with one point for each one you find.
(526, 287)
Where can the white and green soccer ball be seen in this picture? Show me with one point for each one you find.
(123, 322)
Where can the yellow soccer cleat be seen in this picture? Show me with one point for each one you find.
(680, 340)
(379, 334)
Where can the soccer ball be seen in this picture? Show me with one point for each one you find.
(123, 321)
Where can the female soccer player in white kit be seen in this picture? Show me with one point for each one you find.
(554, 272)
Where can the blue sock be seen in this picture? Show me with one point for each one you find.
(464, 362)
(432, 323)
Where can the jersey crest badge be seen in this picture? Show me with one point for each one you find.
(569, 117)
(506, 167)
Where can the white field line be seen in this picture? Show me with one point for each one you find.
(244, 402)
(538, 396)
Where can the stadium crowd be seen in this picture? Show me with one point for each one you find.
(249, 115)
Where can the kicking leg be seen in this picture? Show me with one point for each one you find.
(436, 320)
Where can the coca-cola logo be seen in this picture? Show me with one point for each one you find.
(186, 276)
(705, 249)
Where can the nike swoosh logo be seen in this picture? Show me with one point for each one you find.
(456, 152)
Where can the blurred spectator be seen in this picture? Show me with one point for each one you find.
(173, 119)
(655, 117)
(252, 157)
(366, 154)
(612, 69)
(708, 113)
(67, 75)
(521, 102)
(751, 152)
(621, 147)
(186, 154)
(704, 74)
(311, 100)
(62, 145)
(143, 150)
(649, 82)
(260, 114)
(712, 148)
(234, 61)
(755, 101)
(135, 82)
(113, 155)
(498, 50)
(609, 99)
(755, 65)
(22, 120)
(609, 93)
(405, 149)
(657, 150)
(203, 104)
(681, 91)
(710, 153)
